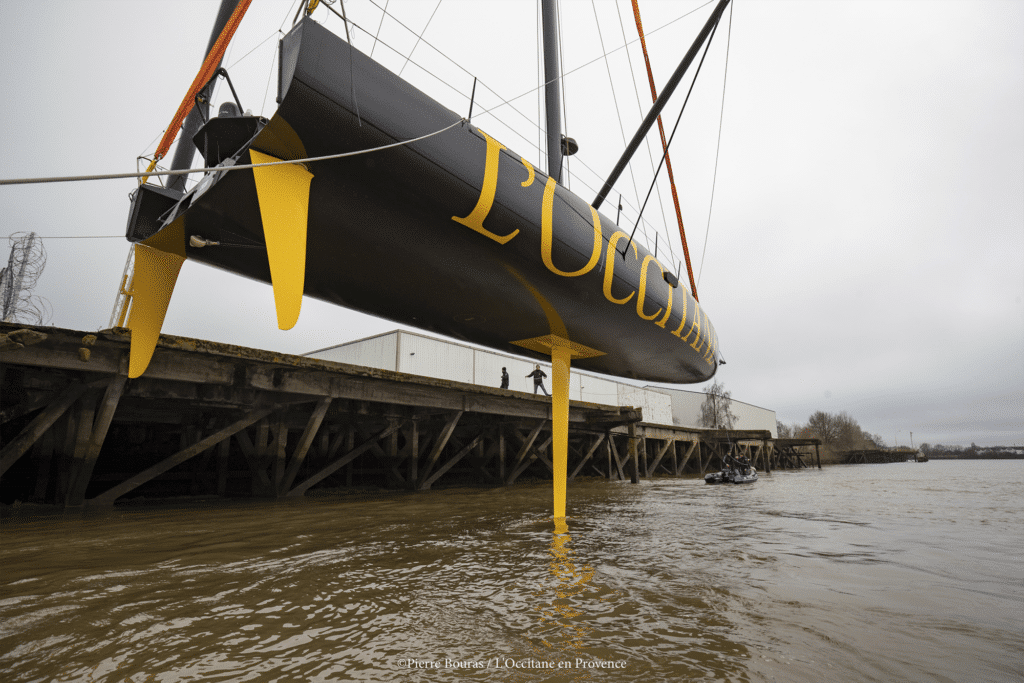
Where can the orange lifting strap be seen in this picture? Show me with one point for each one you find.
(664, 145)
(204, 75)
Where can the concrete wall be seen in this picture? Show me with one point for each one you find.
(419, 354)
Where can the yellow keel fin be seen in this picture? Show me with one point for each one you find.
(157, 264)
(560, 356)
(283, 193)
(562, 350)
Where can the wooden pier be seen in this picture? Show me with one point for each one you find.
(879, 456)
(210, 419)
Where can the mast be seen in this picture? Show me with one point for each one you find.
(549, 20)
(652, 115)
(186, 149)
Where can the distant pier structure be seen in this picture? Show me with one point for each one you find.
(882, 455)
(210, 419)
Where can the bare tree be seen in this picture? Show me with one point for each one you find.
(839, 430)
(716, 410)
(824, 426)
(787, 431)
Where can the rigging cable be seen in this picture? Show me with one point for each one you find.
(647, 142)
(71, 237)
(615, 101)
(430, 73)
(664, 144)
(538, 36)
(351, 62)
(237, 167)
(503, 101)
(707, 47)
(266, 90)
(262, 43)
(376, 37)
(718, 147)
(561, 91)
(419, 36)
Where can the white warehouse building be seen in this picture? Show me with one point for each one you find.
(418, 354)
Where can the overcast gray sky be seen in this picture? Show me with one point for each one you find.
(865, 251)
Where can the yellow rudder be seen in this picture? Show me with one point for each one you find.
(283, 193)
(157, 264)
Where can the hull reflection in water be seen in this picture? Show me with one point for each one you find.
(872, 572)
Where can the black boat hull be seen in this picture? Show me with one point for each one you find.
(453, 234)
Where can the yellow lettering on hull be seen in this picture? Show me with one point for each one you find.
(704, 341)
(547, 234)
(609, 267)
(475, 219)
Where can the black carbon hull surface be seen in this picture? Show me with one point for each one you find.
(391, 233)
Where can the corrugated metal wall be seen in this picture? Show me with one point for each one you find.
(596, 390)
(752, 417)
(657, 406)
(686, 412)
(430, 357)
(372, 352)
(487, 367)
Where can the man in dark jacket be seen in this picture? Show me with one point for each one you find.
(538, 380)
(504, 378)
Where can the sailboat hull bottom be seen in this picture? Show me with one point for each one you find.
(453, 234)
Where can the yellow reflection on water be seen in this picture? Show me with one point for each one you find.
(564, 631)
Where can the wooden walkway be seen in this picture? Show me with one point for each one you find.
(210, 419)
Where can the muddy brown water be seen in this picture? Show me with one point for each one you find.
(908, 572)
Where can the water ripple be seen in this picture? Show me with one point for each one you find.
(804, 576)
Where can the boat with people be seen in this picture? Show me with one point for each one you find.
(734, 471)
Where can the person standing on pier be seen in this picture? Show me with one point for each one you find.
(504, 378)
(538, 380)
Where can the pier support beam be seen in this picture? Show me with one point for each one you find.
(669, 443)
(86, 461)
(694, 446)
(435, 452)
(300, 489)
(586, 458)
(517, 462)
(305, 441)
(18, 446)
(634, 470)
(141, 478)
(451, 462)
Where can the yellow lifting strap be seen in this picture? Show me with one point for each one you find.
(664, 144)
(206, 72)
